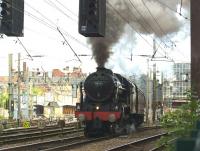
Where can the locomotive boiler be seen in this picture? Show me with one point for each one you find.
(109, 103)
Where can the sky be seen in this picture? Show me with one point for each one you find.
(41, 37)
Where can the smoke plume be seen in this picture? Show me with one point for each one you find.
(137, 14)
(114, 29)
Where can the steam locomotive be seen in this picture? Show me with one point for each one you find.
(109, 103)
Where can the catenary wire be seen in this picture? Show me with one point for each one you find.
(123, 18)
(66, 8)
(159, 46)
(49, 25)
(52, 4)
(155, 20)
(175, 11)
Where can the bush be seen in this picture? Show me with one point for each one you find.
(1, 117)
(181, 121)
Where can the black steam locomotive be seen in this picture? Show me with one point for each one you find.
(109, 103)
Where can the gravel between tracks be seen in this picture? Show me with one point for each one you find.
(106, 144)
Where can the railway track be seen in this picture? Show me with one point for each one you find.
(39, 134)
(44, 144)
(161, 147)
(75, 144)
(137, 142)
(63, 143)
(116, 141)
(32, 129)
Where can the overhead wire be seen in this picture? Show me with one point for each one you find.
(159, 46)
(175, 11)
(49, 25)
(69, 45)
(59, 9)
(40, 13)
(52, 4)
(54, 28)
(66, 8)
(58, 31)
(173, 43)
(41, 34)
(138, 19)
(155, 20)
(117, 12)
(160, 28)
(143, 18)
(29, 55)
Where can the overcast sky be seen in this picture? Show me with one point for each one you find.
(43, 17)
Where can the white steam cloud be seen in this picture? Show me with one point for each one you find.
(144, 16)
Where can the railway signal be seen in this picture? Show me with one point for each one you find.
(6, 9)
(92, 18)
(12, 17)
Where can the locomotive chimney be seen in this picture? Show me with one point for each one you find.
(100, 68)
(103, 69)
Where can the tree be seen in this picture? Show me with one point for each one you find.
(38, 91)
(181, 121)
(3, 99)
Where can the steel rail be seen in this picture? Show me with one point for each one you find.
(162, 146)
(42, 145)
(34, 128)
(75, 144)
(11, 139)
(68, 146)
(143, 140)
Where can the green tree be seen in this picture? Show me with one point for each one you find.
(180, 121)
(3, 99)
(38, 91)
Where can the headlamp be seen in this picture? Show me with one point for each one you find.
(112, 118)
(97, 107)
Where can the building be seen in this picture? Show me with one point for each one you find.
(174, 89)
(62, 94)
(181, 81)
(53, 94)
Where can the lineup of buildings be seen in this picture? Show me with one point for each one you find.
(50, 94)
(54, 94)
(174, 90)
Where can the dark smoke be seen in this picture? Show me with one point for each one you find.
(166, 19)
(101, 46)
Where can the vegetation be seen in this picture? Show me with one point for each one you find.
(1, 117)
(180, 121)
(3, 99)
(38, 91)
